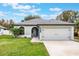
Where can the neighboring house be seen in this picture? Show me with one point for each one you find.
(47, 29)
(4, 31)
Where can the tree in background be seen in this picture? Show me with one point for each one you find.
(11, 24)
(68, 16)
(76, 27)
(31, 17)
(6, 23)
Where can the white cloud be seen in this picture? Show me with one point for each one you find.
(21, 7)
(17, 6)
(2, 13)
(33, 11)
(33, 6)
(51, 16)
(46, 16)
(9, 4)
(19, 14)
(59, 12)
(55, 9)
(4, 4)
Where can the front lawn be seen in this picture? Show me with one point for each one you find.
(10, 46)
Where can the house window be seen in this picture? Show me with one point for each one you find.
(21, 30)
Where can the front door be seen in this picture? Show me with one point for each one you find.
(34, 32)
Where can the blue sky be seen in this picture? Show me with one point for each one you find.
(17, 11)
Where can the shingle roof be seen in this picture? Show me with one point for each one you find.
(41, 21)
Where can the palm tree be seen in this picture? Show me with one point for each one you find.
(68, 16)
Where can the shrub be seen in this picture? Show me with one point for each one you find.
(15, 31)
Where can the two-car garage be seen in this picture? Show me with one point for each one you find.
(57, 33)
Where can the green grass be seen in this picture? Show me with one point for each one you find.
(10, 46)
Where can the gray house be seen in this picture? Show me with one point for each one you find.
(47, 29)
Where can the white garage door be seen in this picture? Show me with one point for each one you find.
(56, 34)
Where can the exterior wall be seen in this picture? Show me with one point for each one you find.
(1, 31)
(5, 32)
(72, 33)
(71, 29)
(27, 30)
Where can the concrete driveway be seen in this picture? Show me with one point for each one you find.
(62, 48)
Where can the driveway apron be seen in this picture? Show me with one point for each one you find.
(62, 48)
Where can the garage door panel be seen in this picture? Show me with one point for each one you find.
(53, 34)
(55, 37)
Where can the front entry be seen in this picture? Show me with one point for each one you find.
(34, 32)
